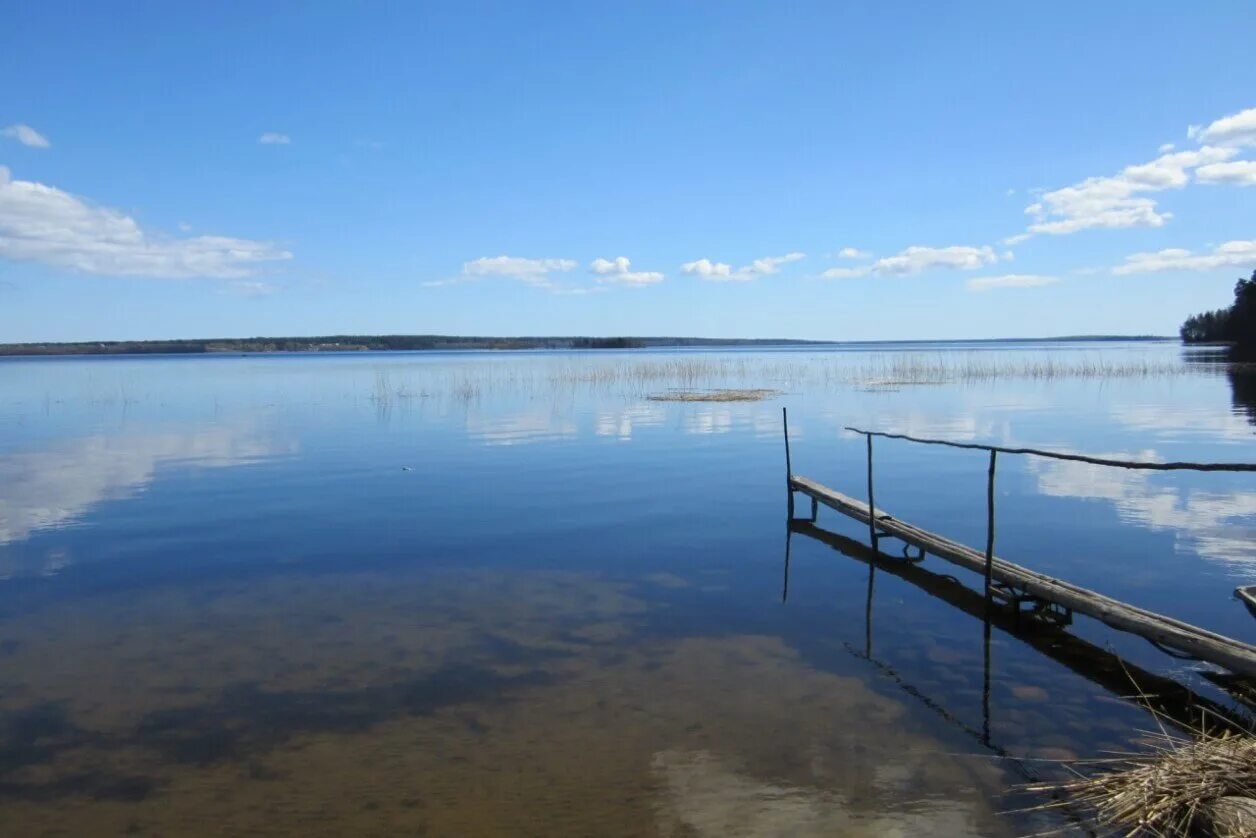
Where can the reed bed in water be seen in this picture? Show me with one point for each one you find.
(895, 368)
(943, 369)
(755, 395)
(642, 377)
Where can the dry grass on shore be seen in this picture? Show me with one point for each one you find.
(1205, 785)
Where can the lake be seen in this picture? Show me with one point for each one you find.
(511, 593)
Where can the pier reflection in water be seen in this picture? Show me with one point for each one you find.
(1168, 699)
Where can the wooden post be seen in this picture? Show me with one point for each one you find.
(789, 533)
(985, 678)
(990, 523)
(872, 506)
(872, 575)
(789, 469)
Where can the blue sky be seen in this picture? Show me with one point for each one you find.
(836, 171)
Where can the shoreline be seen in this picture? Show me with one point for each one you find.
(447, 343)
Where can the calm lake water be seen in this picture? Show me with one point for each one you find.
(510, 594)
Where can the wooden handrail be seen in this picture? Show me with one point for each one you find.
(1057, 455)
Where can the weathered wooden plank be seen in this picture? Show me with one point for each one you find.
(1246, 594)
(1205, 645)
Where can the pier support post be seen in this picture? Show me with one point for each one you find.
(789, 470)
(872, 505)
(985, 678)
(985, 688)
(872, 575)
(990, 525)
(789, 534)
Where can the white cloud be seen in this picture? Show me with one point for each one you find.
(853, 253)
(723, 272)
(534, 272)
(989, 283)
(1119, 201)
(706, 269)
(1238, 172)
(274, 138)
(772, 264)
(1170, 171)
(847, 273)
(25, 135)
(41, 223)
(619, 270)
(1115, 202)
(1231, 254)
(916, 259)
(1238, 129)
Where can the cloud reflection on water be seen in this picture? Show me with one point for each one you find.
(520, 428)
(56, 487)
(1176, 422)
(620, 422)
(1215, 524)
(705, 795)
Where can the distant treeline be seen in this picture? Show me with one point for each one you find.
(361, 343)
(1235, 325)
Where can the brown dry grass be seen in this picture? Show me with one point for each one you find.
(752, 395)
(1173, 788)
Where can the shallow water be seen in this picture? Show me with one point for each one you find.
(509, 594)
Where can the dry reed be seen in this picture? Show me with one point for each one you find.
(640, 377)
(757, 395)
(1201, 785)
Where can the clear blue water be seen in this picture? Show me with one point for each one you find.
(478, 593)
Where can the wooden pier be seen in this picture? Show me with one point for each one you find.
(1124, 679)
(1017, 584)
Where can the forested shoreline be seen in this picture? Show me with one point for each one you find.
(1234, 325)
(364, 343)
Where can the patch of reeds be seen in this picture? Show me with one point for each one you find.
(903, 369)
(754, 395)
(647, 376)
(889, 369)
(1203, 785)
